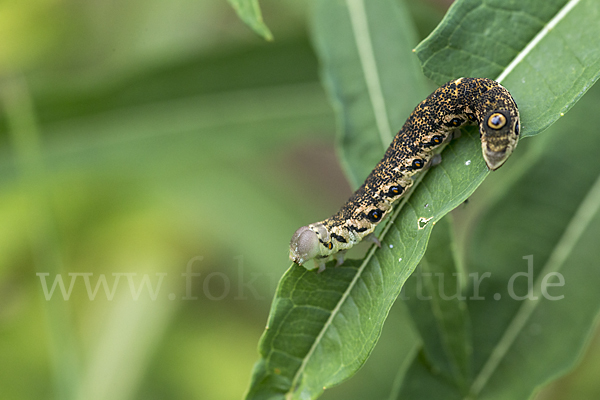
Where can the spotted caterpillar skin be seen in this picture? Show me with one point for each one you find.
(459, 102)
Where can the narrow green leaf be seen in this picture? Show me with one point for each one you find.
(352, 39)
(435, 300)
(371, 75)
(483, 38)
(545, 52)
(300, 355)
(249, 12)
(16, 102)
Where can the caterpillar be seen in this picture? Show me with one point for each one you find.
(416, 147)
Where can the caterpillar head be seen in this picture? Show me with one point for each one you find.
(304, 245)
(499, 132)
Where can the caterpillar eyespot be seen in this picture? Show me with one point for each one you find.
(395, 191)
(374, 215)
(437, 139)
(455, 122)
(418, 164)
(496, 121)
(464, 100)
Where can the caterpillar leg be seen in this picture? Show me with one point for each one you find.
(339, 257)
(320, 264)
(435, 160)
(372, 238)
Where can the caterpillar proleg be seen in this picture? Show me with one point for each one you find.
(459, 102)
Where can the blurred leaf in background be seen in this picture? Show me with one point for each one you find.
(249, 12)
(139, 140)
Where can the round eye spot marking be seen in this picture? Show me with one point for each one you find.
(437, 139)
(517, 128)
(455, 122)
(329, 245)
(496, 121)
(395, 191)
(471, 117)
(418, 163)
(374, 215)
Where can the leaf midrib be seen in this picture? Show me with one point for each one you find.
(560, 15)
(362, 37)
(347, 292)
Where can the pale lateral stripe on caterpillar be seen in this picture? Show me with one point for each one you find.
(427, 129)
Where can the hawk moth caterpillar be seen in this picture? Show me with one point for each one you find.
(416, 146)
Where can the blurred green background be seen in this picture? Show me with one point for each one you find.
(139, 139)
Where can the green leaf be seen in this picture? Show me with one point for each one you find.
(435, 300)
(300, 354)
(373, 84)
(545, 52)
(547, 224)
(249, 12)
